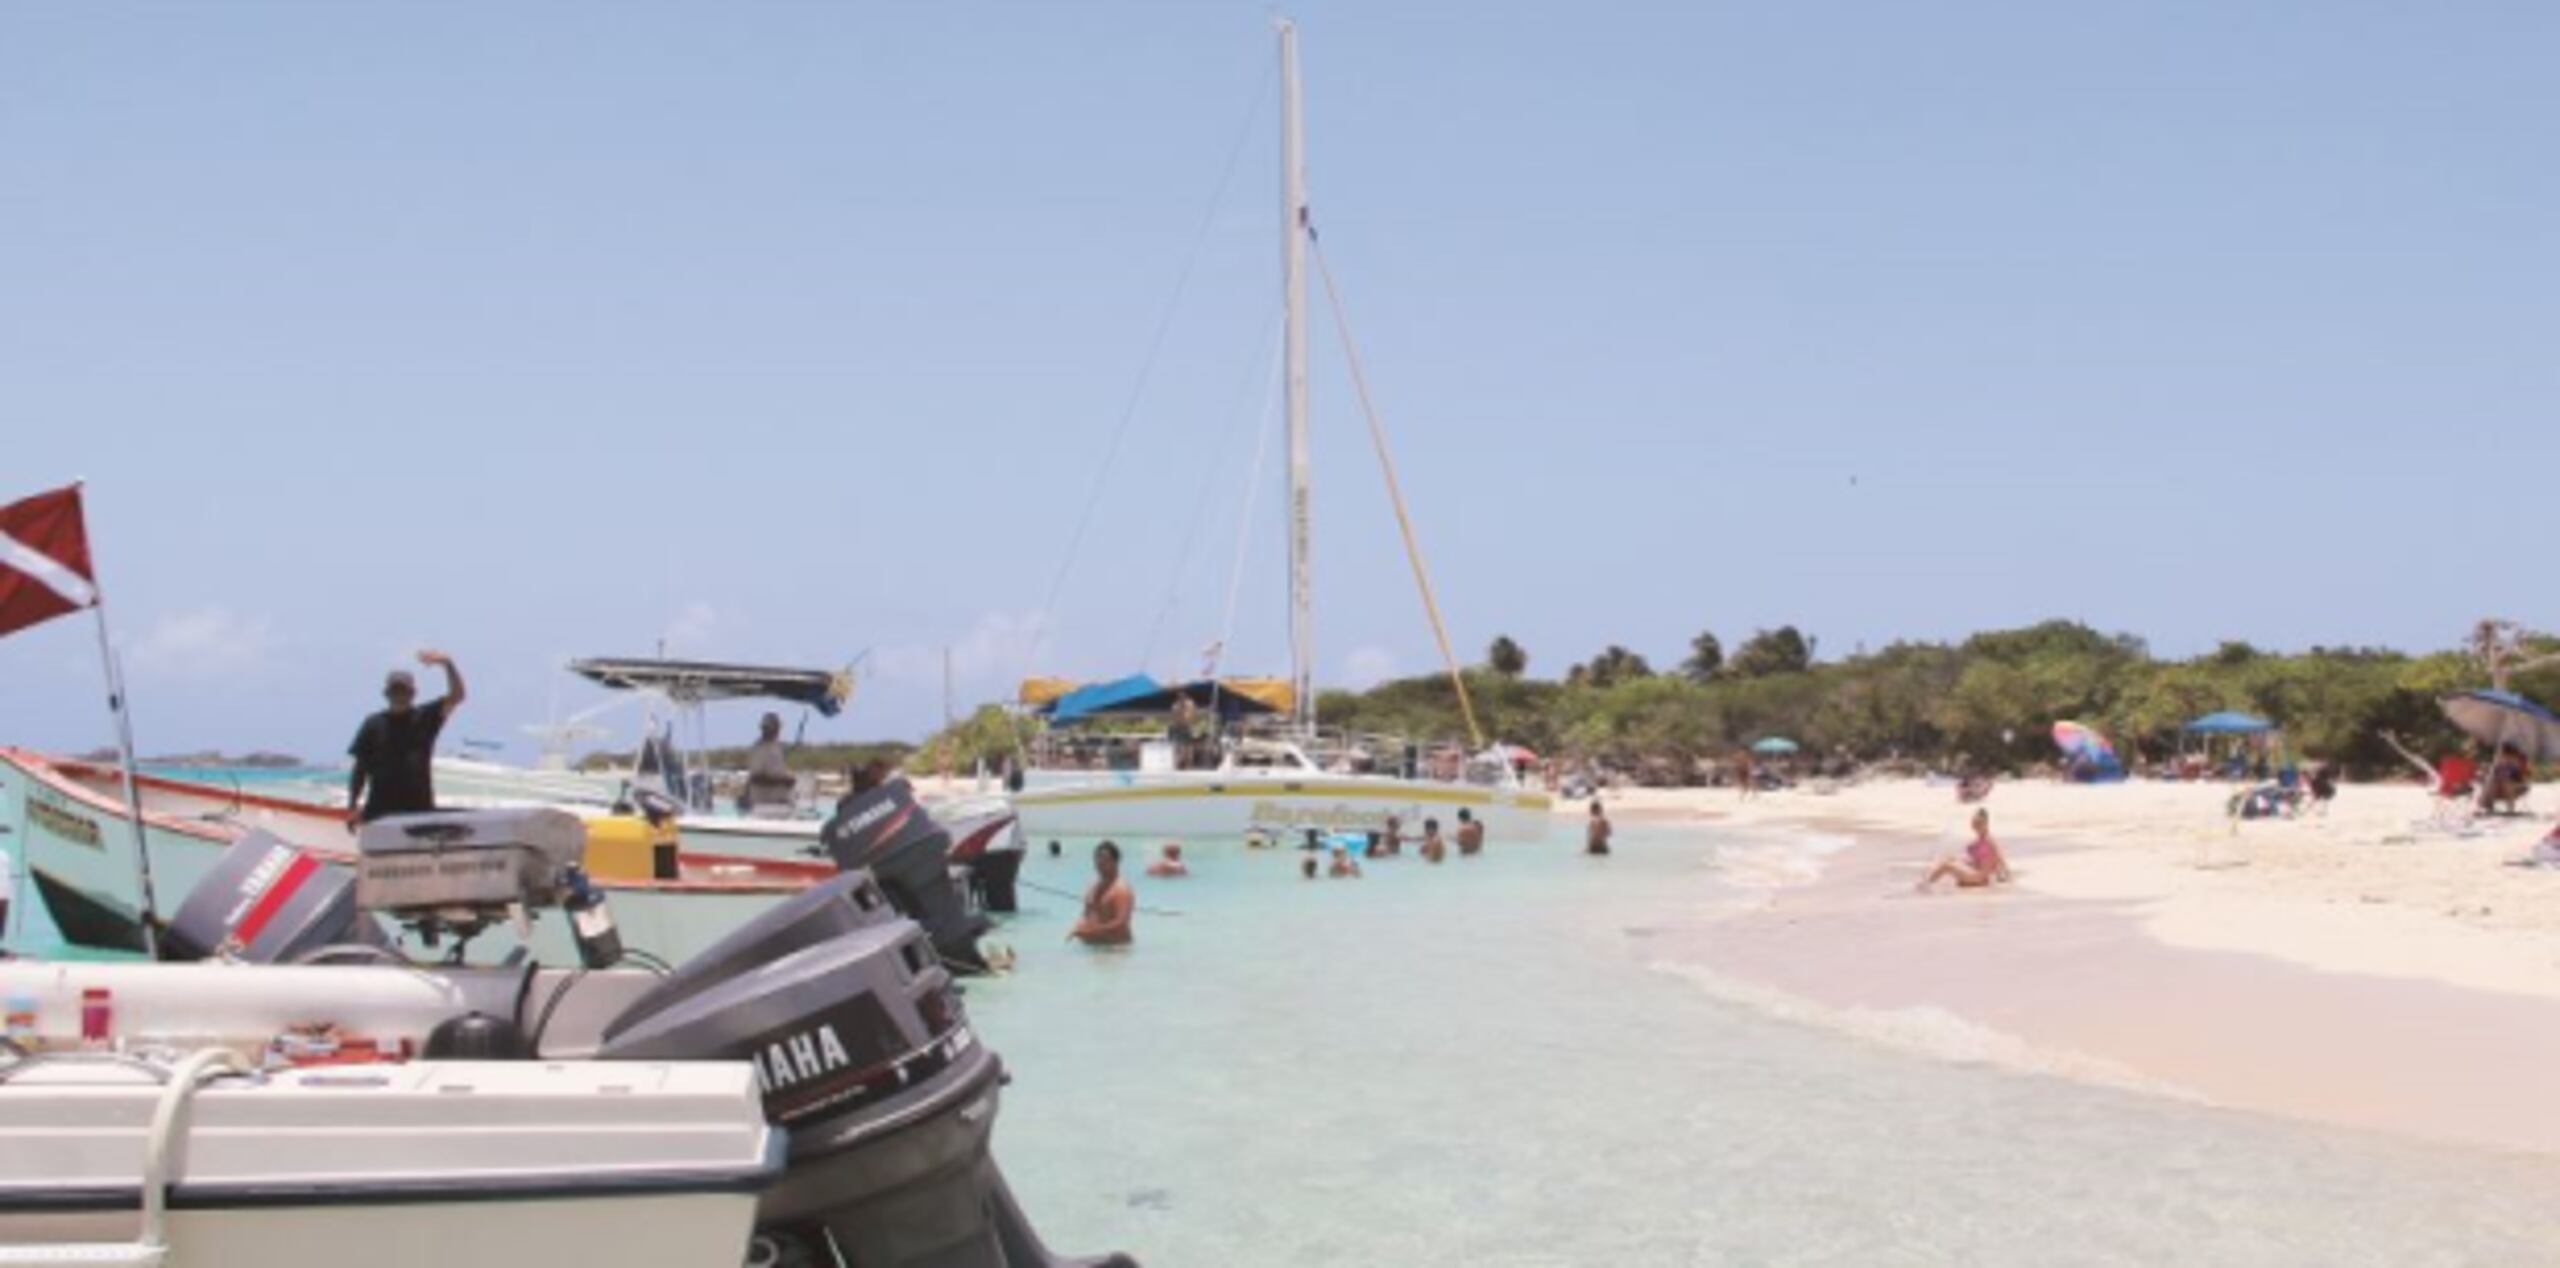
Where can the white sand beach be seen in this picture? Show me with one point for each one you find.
(2369, 968)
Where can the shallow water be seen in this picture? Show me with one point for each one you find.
(1474, 1064)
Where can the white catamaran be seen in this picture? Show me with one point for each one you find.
(1274, 784)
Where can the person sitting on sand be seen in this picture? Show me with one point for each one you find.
(1343, 864)
(1433, 848)
(1982, 863)
(1109, 906)
(1170, 862)
(1973, 787)
(1393, 841)
(2510, 777)
(1470, 833)
(1595, 838)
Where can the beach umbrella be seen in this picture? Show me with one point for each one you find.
(1775, 745)
(2077, 740)
(1521, 754)
(2503, 717)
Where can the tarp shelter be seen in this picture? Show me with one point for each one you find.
(2230, 722)
(1114, 696)
(1141, 696)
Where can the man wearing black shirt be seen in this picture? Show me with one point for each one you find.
(394, 750)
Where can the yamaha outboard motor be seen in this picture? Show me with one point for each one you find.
(866, 1056)
(883, 830)
(268, 902)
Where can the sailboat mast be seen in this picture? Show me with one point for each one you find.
(1293, 267)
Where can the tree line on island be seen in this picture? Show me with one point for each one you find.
(1987, 702)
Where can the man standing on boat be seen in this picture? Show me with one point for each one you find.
(395, 749)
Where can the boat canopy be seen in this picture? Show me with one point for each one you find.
(1139, 695)
(694, 681)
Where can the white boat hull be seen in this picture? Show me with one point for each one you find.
(1211, 805)
(78, 845)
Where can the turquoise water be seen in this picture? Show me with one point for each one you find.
(1473, 1064)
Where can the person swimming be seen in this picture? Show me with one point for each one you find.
(1307, 867)
(1343, 864)
(1433, 848)
(1470, 833)
(1393, 842)
(1170, 862)
(1982, 864)
(1109, 906)
(1595, 837)
(1377, 847)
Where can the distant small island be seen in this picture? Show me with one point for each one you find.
(252, 761)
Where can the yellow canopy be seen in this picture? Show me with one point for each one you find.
(1040, 690)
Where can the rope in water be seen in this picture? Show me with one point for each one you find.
(1075, 897)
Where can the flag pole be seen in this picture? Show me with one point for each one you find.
(124, 746)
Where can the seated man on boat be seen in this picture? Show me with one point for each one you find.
(771, 786)
(394, 751)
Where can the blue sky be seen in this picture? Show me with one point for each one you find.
(785, 332)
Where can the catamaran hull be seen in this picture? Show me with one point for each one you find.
(1175, 808)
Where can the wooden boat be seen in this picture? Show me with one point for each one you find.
(76, 840)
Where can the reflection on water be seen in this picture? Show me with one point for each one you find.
(1473, 1063)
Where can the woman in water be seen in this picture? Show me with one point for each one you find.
(1982, 864)
(1109, 906)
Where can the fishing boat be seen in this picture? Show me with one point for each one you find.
(982, 825)
(77, 840)
(1269, 781)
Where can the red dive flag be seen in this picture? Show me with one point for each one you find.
(44, 560)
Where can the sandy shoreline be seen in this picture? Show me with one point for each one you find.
(2366, 969)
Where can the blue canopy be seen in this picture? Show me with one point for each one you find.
(2503, 717)
(1102, 697)
(2230, 722)
(1775, 744)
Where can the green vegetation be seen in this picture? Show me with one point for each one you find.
(1989, 701)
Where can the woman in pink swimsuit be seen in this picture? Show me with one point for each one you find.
(1982, 864)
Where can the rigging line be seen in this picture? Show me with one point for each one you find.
(1395, 494)
(1244, 519)
(1208, 486)
(1147, 365)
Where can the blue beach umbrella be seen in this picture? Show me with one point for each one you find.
(1775, 745)
(2503, 717)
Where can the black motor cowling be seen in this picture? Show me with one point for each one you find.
(883, 830)
(866, 1056)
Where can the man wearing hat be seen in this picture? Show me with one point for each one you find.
(395, 749)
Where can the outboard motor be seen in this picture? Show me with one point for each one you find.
(884, 831)
(866, 1055)
(267, 902)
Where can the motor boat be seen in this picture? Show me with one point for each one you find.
(287, 1014)
(78, 846)
(162, 1156)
